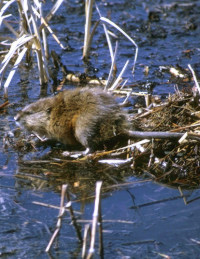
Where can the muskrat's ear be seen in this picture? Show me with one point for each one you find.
(48, 110)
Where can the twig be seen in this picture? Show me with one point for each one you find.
(107, 36)
(112, 54)
(13, 70)
(95, 219)
(39, 15)
(51, 13)
(127, 36)
(77, 228)
(52, 206)
(182, 195)
(87, 231)
(157, 202)
(28, 34)
(90, 38)
(10, 28)
(152, 156)
(4, 104)
(3, 9)
(107, 220)
(119, 78)
(101, 248)
(15, 45)
(195, 79)
(60, 215)
(112, 66)
(129, 91)
(88, 12)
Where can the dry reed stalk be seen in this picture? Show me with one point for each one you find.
(157, 202)
(195, 79)
(4, 8)
(101, 247)
(184, 198)
(87, 231)
(88, 14)
(106, 221)
(96, 219)
(103, 19)
(112, 68)
(4, 104)
(28, 38)
(112, 54)
(73, 218)
(129, 91)
(119, 78)
(14, 68)
(60, 215)
(107, 36)
(51, 13)
(53, 206)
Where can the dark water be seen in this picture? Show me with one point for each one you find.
(143, 219)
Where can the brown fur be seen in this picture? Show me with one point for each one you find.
(85, 116)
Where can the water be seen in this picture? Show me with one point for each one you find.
(142, 220)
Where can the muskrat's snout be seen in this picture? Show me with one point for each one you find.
(19, 116)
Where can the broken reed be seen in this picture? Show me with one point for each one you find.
(60, 216)
(30, 36)
(112, 81)
(89, 229)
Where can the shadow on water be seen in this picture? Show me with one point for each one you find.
(142, 218)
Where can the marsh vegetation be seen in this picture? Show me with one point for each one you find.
(148, 205)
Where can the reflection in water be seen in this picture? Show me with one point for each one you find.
(80, 175)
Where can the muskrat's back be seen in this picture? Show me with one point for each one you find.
(85, 116)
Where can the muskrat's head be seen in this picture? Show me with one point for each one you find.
(35, 117)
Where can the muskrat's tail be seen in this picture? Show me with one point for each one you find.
(160, 135)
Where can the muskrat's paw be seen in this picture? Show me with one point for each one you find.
(76, 154)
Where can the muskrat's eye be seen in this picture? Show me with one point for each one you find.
(48, 110)
(27, 112)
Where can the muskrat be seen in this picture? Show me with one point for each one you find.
(86, 116)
